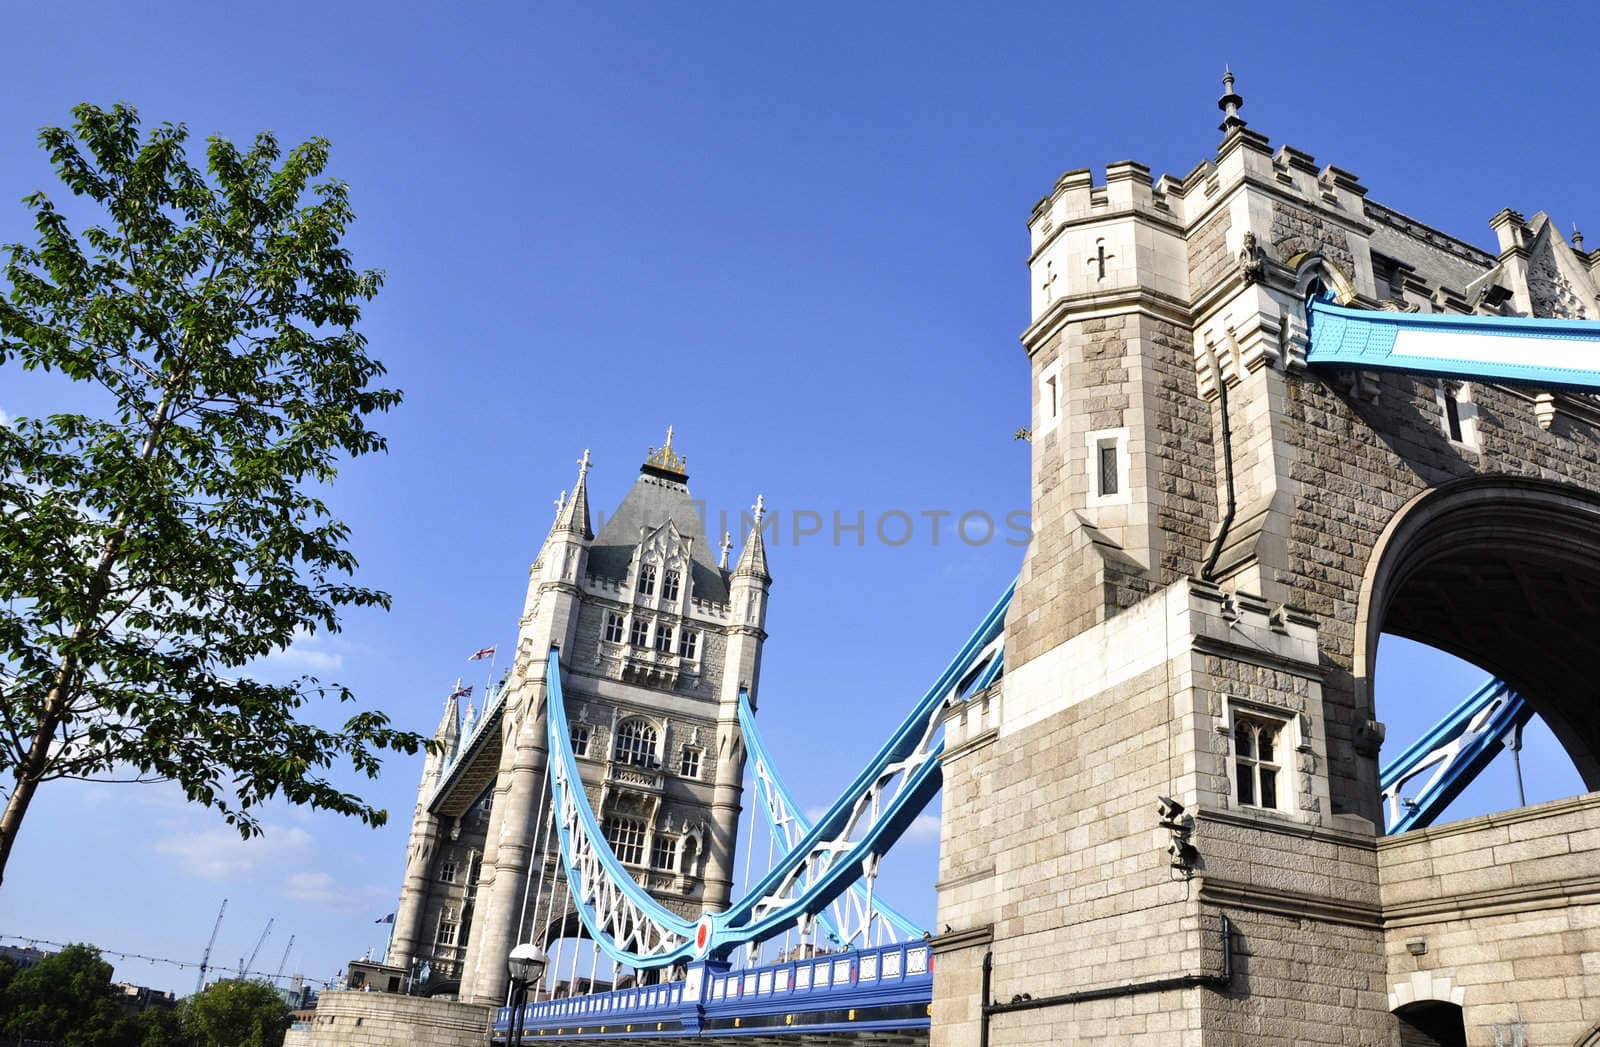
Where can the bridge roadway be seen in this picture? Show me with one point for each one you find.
(879, 996)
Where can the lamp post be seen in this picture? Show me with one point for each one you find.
(526, 964)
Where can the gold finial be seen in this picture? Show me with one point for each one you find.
(667, 460)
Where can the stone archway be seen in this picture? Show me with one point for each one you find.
(1431, 1023)
(1505, 573)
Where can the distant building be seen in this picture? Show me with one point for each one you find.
(139, 997)
(23, 957)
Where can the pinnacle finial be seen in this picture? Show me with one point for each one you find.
(583, 465)
(727, 544)
(561, 502)
(1230, 103)
(1577, 239)
(759, 510)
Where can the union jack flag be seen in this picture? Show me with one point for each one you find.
(461, 692)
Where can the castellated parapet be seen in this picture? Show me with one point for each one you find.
(1221, 532)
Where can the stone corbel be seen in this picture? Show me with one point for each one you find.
(1544, 410)
(1295, 338)
(1261, 344)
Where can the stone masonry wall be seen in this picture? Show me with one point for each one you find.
(1050, 838)
(377, 1019)
(1507, 908)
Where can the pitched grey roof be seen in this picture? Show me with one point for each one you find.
(651, 502)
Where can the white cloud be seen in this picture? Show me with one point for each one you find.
(311, 887)
(814, 814)
(298, 657)
(926, 827)
(320, 888)
(218, 853)
(5, 419)
(306, 652)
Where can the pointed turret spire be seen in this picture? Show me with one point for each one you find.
(449, 733)
(1230, 103)
(1577, 240)
(572, 515)
(727, 543)
(753, 561)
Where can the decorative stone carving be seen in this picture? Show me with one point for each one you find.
(1552, 292)
(1251, 260)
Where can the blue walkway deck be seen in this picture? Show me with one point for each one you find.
(883, 991)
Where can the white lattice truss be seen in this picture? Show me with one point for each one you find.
(853, 913)
(882, 795)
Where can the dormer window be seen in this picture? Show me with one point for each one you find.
(669, 585)
(647, 579)
(663, 637)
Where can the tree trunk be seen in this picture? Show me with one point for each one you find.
(57, 703)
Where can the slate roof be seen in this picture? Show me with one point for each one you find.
(652, 501)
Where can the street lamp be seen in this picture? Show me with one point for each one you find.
(526, 964)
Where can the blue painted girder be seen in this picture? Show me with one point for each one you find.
(1555, 354)
(1507, 712)
(757, 747)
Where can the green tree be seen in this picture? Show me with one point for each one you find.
(159, 1027)
(66, 998)
(236, 1014)
(150, 551)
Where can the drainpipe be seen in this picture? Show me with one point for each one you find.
(1025, 1002)
(1227, 469)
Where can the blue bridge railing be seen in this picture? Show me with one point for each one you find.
(888, 987)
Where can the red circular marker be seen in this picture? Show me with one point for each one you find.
(702, 934)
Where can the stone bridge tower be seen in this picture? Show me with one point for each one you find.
(657, 635)
(1221, 533)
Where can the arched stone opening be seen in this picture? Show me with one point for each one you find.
(1431, 1023)
(1503, 572)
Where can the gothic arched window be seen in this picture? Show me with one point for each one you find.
(669, 585)
(636, 744)
(647, 579)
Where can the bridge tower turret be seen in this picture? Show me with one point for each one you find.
(549, 619)
(747, 602)
(424, 837)
(657, 638)
(1220, 534)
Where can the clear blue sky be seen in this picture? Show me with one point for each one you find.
(795, 234)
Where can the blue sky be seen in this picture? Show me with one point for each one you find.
(798, 236)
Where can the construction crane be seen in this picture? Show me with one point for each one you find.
(245, 965)
(205, 959)
(283, 962)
